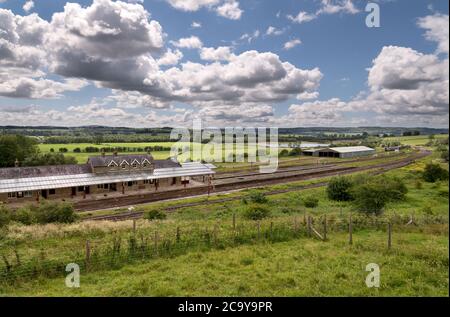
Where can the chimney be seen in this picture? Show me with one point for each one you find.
(17, 163)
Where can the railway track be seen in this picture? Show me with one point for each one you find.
(229, 187)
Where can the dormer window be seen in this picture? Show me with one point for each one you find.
(124, 166)
(135, 164)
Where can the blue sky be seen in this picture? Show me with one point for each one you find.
(352, 89)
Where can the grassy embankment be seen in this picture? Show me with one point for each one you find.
(416, 265)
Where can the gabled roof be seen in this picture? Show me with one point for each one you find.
(104, 161)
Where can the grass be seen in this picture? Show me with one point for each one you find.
(415, 140)
(416, 266)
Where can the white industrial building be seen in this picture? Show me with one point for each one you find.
(340, 152)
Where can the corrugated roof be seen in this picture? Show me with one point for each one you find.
(348, 149)
(86, 179)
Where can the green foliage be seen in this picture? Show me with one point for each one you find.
(434, 172)
(155, 215)
(295, 152)
(372, 194)
(310, 202)
(256, 197)
(5, 216)
(25, 216)
(48, 159)
(14, 147)
(256, 212)
(54, 212)
(339, 189)
(284, 153)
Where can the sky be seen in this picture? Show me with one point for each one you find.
(284, 63)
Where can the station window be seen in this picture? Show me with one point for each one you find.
(135, 165)
(12, 195)
(81, 188)
(28, 194)
(149, 181)
(124, 166)
(52, 191)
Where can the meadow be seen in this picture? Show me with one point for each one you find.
(211, 262)
(416, 140)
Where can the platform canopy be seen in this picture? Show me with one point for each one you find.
(88, 179)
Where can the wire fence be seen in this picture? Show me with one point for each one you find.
(138, 244)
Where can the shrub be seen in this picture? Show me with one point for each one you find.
(434, 172)
(5, 216)
(50, 212)
(256, 212)
(25, 216)
(372, 194)
(155, 215)
(310, 202)
(256, 197)
(339, 189)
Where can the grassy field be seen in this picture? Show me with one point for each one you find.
(415, 140)
(292, 265)
(416, 266)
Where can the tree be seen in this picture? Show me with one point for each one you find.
(434, 172)
(155, 214)
(14, 147)
(371, 194)
(49, 159)
(338, 189)
(310, 202)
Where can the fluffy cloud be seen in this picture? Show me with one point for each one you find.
(188, 42)
(222, 53)
(170, 57)
(23, 59)
(226, 8)
(196, 25)
(28, 6)
(437, 30)
(230, 9)
(291, 44)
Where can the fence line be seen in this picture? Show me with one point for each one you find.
(144, 244)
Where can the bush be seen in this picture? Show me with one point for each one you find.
(256, 197)
(5, 216)
(155, 215)
(51, 212)
(372, 195)
(434, 172)
(25, 216)
(256, 212)
(339, 189)
(310, 202)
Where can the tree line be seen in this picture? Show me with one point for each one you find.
(25, 151)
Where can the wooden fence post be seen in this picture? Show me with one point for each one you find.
(350, 230)
(234, 221)
(259, 230)
(271, 230)
(325, 228)
(309, 226)
(156, 242)
(178, 234)
(389, 235)
(88, 254)
(134, 226)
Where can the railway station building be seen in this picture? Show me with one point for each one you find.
(102, 176)
(340, 152)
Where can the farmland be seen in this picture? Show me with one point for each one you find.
(287, 264)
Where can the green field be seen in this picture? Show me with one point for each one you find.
(287, 264)
(416, 140)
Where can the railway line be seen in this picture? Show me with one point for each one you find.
(230, 184)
